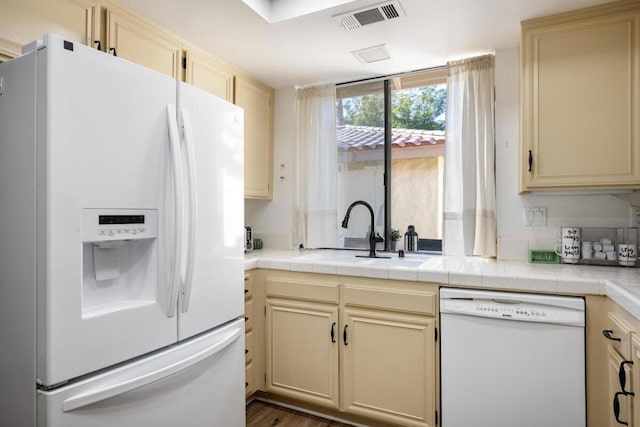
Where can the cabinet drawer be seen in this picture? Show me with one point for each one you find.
(618, 335)
(248, 347)
(248, 286)
(249, 386)
(390, 299)
(312, 291)
(248, 315)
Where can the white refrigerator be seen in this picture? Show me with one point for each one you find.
(121, 245)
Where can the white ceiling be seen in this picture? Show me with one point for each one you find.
(313, 49)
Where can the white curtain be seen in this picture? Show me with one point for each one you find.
(469, 199)
(316, 167)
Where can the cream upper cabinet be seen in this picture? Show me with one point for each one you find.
(140, 41)
(257, 101)
(8, 50)
(23, 21)
(72, 19)
(207, 74)
(579, 99)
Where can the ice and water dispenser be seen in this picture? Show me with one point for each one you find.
(120, 259)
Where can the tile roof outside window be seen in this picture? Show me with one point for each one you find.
(369, 137)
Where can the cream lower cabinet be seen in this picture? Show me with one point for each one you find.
(250, 382)
(302, 357)
(622, 401)
(618, 335)
(389, 366)
(362, 346)
(302, 338)
(580, 75)
(635, 358)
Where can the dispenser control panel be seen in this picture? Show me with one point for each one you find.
(100, 225)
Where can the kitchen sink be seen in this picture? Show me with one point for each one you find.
(393, 262)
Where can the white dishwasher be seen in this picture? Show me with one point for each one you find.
(510, 359)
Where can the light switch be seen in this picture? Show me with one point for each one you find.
(535, 216)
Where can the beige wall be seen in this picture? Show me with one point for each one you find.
(416, 196)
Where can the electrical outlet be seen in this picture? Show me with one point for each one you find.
(634, 219)
(535, 216)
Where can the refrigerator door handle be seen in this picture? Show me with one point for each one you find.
(111, 390)
(192, 208)
(178, 174)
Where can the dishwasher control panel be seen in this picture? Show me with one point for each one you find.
(518, 311)
(510, 307)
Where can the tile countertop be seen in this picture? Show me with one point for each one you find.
(622, 285)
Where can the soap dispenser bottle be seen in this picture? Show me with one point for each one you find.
(411, 240)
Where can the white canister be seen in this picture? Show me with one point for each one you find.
(600, 255)
(627, 254)
(569, 246)
(587, 250)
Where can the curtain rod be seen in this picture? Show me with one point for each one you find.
(389, 76)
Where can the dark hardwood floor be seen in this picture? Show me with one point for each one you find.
(261, 414)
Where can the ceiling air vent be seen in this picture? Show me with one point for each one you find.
(372, 54)
(370, 15)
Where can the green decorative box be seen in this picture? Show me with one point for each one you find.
(543, 257)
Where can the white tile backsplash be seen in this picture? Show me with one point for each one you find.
(513, 248)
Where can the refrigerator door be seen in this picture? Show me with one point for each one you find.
(213, 270)
(195, 383)
(105, 219)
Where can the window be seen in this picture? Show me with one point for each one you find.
(411, 157)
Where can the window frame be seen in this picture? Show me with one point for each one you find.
(414, 79)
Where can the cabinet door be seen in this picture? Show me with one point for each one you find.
(139, 41)
(249, 381)
(257, 101)
(302, 351)
(624, 401)
(389, 370)
(636, 379)
(209, 75)
(24, 21)
(580, 99)
(8, 50)
(72, 15)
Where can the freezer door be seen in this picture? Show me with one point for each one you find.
(196, 383)
(213, 271)
(105, 222)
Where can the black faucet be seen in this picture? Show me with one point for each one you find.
(372, 234)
